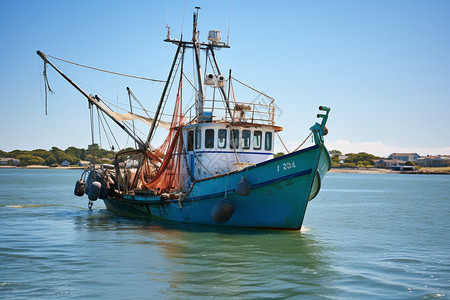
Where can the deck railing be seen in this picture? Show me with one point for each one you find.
(243, 112)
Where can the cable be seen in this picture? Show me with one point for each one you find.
(255, 90)
(97, 69)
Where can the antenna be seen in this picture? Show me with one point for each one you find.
(167, 21)
(229, 23)
(196, 15)
(184, 13)
(195, 33)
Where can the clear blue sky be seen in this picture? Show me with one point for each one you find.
(382, 66)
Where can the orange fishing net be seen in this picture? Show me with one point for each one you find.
(161, 168)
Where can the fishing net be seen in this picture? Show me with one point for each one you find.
(161, 168)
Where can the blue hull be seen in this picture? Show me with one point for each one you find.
(279, 194)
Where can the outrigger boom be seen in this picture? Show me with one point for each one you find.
(95, 100)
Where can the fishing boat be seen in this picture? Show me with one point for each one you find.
(216, 165)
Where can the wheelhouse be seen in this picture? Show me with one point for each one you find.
(215, 148)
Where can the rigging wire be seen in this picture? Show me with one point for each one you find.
(104, 130)
(206, 68)
(255, 90)
(91, 114)
(130, 92)
(191, 83)
(106, 71)
(47, 87)
(87, 86)
(112, 133)
(100, 139)
(221, 95)
(134, 107)
(81, 82)
(131, 110)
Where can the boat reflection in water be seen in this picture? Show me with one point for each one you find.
(171, 258)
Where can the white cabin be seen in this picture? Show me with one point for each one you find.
(215, 148)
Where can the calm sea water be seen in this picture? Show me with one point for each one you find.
(366, 236)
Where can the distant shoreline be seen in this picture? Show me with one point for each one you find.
(42, 167)
(386, 171)
(332, 170)
(362, 170)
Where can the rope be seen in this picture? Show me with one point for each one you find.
(187, 168)
(234, 145)
(283, 143)
(195, 154)
(226, 186)
(303, 142)
(185, 160)
(185, 195)
(254, 90)
(101, 70)
(47, 86)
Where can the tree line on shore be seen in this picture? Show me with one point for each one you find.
(352, 160)
(55, 156)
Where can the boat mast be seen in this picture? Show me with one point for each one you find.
(95, 101)
(161, 100)
(200, 94)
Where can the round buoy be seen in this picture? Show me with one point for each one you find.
(222, 211)
(79, 188)
(243, 187)
(325, 130)
(104, 192)
(94, 190)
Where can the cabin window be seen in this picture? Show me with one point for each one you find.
(190, 140)
(246, 135)
(234, 139)
(257, 137)
(209, 138)
(198, 138)
(268, 144)
(222, 138)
